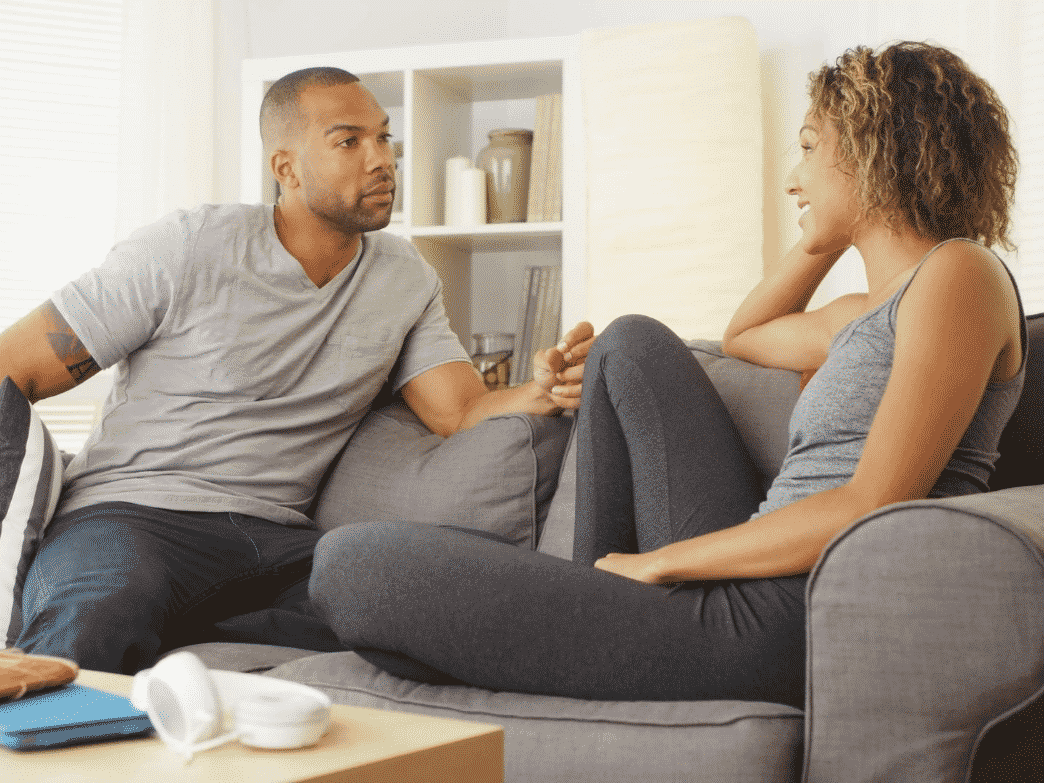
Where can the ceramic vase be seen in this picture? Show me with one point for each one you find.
(506, 162)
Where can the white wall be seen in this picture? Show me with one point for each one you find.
(795, 38)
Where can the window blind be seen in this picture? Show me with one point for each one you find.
(60, 71)
(60, 62)
(1029, 136)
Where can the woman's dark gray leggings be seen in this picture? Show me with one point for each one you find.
(659, 460)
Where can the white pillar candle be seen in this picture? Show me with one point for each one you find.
(472, 205)
(454, 166)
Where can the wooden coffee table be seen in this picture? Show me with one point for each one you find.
(362, 744)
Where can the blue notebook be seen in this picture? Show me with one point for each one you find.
(70, 715)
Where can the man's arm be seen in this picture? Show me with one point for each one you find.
(43, 356)
(452, 397)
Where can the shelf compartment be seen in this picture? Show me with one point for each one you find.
(495, 237)
(500, 81)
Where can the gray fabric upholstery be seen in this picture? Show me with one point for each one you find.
(550, 739)
(924, 629)
(759, 400)
(242, 657)
(557, 536)
(497, 476)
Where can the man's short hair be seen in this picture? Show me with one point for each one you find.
(279, 109)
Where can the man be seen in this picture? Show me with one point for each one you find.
(249, 342)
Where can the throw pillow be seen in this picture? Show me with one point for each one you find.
(30, 482)
(496, 477)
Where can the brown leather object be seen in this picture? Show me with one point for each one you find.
(21, 673)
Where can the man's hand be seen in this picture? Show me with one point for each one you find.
(560, 370)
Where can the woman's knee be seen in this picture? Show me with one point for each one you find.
(631, 335)
(362, 574)
(352, 557)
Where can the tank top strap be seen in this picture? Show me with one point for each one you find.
(893, 304)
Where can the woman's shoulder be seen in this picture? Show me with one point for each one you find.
(959, 272)
(964, 284)
(964, 259)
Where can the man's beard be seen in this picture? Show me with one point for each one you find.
(353, 218)
(356, 218)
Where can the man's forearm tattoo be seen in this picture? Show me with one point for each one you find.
(67, 346)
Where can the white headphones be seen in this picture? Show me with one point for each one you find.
(190, 705)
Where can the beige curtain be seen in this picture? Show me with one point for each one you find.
(167, 120)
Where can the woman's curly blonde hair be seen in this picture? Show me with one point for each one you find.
(926, 138)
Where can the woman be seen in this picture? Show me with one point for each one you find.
(697, 590)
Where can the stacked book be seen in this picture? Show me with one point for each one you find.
(539, 319)
(545, 168)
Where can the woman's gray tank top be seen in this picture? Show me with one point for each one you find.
(832, 417)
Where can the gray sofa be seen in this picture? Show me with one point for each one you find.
(925, 624)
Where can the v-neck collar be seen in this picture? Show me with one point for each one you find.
(287, 261)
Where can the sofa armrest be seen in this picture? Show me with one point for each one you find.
(925, 628)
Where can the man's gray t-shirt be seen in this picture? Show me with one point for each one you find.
(238, 380)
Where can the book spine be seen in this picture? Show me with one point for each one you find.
(555, 296)
(538, 317)
(534, 293)
(551, 309)
(541, 310)
(526, 355)
(553, 187)
(520, 332)
(540, 160)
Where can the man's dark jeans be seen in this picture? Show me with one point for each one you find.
(116, 584)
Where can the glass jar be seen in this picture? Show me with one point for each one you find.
(491, 355)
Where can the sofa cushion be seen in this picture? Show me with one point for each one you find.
(497, 476)
(243, 656)
(548, 738)
(30, 481)
(759, 400)
(1021, 447)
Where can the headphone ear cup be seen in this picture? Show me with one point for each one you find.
(182, 700)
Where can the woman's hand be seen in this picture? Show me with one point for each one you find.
(641, 568)
(560, 370)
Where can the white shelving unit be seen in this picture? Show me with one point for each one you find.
(442, 101)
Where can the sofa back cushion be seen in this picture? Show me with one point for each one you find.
(1021, 462)
(759, 400)
(497, 477)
